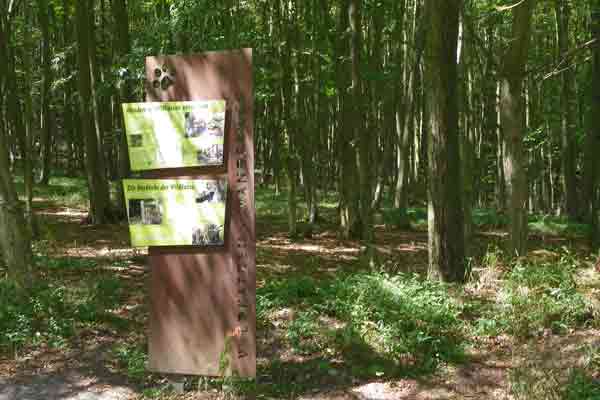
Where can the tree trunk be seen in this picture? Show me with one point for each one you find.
(404, 98)
(290, 100)
(15, 239)
(360, 136)
(97, 110)
(26, 137)
(123, 47)
(593, 132)
(350, 219)
(513, 125)
(95, 176)
(46, 137)
(445, 211)
(567, 131)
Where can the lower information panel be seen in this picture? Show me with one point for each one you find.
(176, 212)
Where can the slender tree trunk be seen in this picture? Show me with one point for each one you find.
(97, 111)
(513, 125)
(361, 136)
(95, 175)
(567, 129)
(26, 139)
(468, 170)
(445, 219)
(593, 133)
(404, 98)
(350, 219)
(46, 121)
(377, 108)
(500, 178)
(288, 90)
(123, 47)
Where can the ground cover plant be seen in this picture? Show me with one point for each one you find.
(328, 323)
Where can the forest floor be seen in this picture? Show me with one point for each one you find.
(328, 326)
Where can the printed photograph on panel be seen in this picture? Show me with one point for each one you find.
(169, 212)
(175, 134)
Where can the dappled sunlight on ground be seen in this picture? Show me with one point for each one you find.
(112, 254)
(71, 213)
(81, 254)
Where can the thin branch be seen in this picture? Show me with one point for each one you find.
(568, 67)
(563, 65)
(506, 8)
(12, 7)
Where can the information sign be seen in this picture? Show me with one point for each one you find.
(176, 212)
(175, 134)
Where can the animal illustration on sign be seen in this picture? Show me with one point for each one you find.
(208, 235)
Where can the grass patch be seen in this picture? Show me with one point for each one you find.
(50, 313)
(71, 192)
(44, 316)
(534, 379)
(64, 263)
(409, 321)
(485, 218)
(581, 386)
(557, 226)
(533, 296)
(132, 359)
(402, 322)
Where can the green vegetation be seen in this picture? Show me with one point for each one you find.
(536, 380)
(533, 296)
(133, 359)
(356, 325)
(55, 310)
(404, 322)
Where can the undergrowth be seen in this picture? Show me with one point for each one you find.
(403, 322)
(533, 296)
(50, 313)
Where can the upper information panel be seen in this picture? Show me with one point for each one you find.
(175, 134)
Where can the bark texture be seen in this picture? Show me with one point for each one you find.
(512, 122)
(445, 211)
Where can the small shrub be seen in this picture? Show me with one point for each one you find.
(530, 382)
(404, 320)
(490, 271)
(42, 316)
(537, 296)
(302, 333)
(285, 293)
(133, 359)
(108, 292)
(486, 218)
(544, 296)
(581, 386)
(64, 263)
(396, 218)
(551, 225)
(401, 317)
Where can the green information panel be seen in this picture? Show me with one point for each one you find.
(175, 134)
(174, 212)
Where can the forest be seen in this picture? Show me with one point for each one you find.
(427, 196)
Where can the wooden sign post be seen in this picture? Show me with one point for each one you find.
(203, 299)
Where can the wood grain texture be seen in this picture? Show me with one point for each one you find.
(203, 300)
